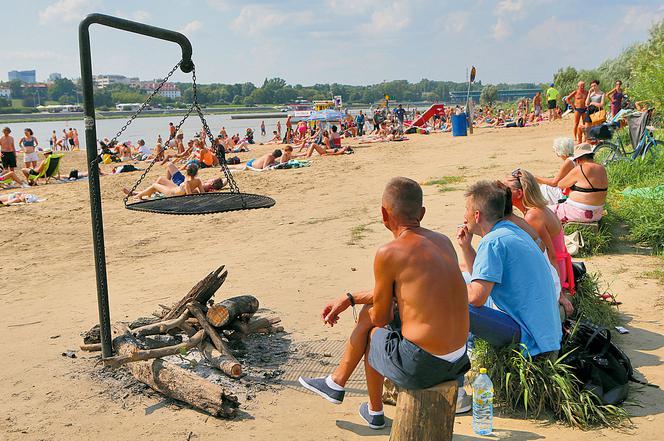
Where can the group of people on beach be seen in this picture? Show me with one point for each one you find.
(418, 324)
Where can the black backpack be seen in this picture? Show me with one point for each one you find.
(599, 364)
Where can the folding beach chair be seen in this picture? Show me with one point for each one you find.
(51, 168)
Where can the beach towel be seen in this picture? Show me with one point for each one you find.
(645, 192)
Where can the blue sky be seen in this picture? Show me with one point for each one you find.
(320, 41)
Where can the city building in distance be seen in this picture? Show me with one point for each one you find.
(103, 81)
(25, 76)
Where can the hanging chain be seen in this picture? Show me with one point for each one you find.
(170, 138)
(218, 147)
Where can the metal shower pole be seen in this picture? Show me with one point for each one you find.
(91, 145)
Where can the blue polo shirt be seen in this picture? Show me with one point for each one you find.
(523, 287)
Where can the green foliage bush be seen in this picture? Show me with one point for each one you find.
(589, 305)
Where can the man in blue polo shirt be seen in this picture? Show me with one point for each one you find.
(510, 270)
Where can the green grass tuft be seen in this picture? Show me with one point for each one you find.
(543, 388)
(596, 241)
(444, 182)
(588, 304)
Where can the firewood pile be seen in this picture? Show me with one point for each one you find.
(194, 323)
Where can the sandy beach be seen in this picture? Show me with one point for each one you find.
(316, 243)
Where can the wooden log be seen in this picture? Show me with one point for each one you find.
(92, 336)
(425, 415)
(147, 354)
(254, 325)
(228, 310)
(201, 292)
(92, 347)
(160, 327)
(174, 381)
(390, 392)
(229, 365)
(143, 321)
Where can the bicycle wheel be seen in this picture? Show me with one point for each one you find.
(606, 152)
(652, 149)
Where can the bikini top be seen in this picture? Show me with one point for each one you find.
(28, 142)
(586, 190)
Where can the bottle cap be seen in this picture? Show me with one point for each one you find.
(482, 370)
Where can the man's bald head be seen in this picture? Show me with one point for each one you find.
(403, 199)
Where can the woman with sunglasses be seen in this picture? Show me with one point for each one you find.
(527, 197)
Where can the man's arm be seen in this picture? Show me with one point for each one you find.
(383, 293)
(478, 292)
(465, 241)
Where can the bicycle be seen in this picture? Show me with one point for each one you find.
(641, 138)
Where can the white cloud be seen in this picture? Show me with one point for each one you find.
(454, 21)
(501, 29)
(509, 7)
(638, 17)
(191, 27)
(141, 15)
(256, 19)
(394, 16)
(66, 11)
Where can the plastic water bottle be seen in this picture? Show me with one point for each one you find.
(482, 404)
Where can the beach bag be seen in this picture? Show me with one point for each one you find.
(574, 242)
(598, 363)
(598, 117)
(579, 270)
(601, 131)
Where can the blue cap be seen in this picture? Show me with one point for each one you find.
(551, 84)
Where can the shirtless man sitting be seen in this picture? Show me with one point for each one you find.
(425, 343)
(577, 100)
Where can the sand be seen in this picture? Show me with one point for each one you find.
(315, 244)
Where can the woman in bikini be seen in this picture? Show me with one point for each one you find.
(526, 196)
(29, 145)
(588, 183)
(594, 102)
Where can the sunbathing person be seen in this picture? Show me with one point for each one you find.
(27, 172)
(527, 197)
(588, 184)
(564, 149)
(327, 147)
(424, 343)
(13, 198)
(275, 138)
(511, 270)
(264, 162)
(177, 185)
(14, 176)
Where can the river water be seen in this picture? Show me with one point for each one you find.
(146, 128)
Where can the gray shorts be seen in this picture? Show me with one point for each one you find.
(408, 365)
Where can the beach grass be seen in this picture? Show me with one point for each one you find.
(657, 275)
(444, 182)
(641, 214)
(357, 233)
(591, 306)
(596, 241)
(543, 388)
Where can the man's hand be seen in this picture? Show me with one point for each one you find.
(464, 237)
(332, 310)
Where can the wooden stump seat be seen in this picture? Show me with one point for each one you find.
(425, 415)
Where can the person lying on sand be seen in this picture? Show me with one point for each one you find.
(177, 185)
(13, 198)
(418, 288)
(19, 178)
(261, 163)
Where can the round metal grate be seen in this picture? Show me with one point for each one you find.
(204, 203)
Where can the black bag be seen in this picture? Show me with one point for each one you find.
(601, 131)
(600, 365)
(579, 269)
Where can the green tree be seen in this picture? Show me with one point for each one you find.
(61, 87)
(16, 88)
(489, 95)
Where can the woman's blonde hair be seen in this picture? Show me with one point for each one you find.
(532, 195)
(563, 146)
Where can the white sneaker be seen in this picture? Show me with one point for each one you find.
(464, 401)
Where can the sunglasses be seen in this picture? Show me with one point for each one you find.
(516, 173)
